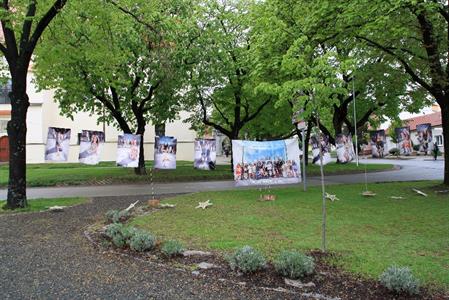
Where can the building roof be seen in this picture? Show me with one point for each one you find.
(434, 119)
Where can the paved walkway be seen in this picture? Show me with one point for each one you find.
(410, 170)
(45, 256)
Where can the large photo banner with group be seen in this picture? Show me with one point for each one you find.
(128, 150)
(165, 152)
(404, 140)
(378, 144)
(91, 146)
(345, 148)
(58, 144)
(424, 137)
(266, 163)
(205, 154)
(317, 142)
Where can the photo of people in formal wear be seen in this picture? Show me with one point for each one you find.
(205, 154)
(165, 152)
(128, 150)
(424, 137)
(265, 163)
(58, 144)
(378, 144)
(317, 142)
(404, 140)
(345, 148)
(91, 145)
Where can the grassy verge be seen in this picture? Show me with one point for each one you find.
(43, 204)
(107, 173)
(369, 234)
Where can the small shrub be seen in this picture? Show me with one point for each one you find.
(247, 260)
(293, 264)
(114, 229)
(119, 234)
(172, 248)
(400, 280)
(142, 241)
(394, 151)
(117, 216)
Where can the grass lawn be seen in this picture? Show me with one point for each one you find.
(43, 204)
(369, 234)
(53, 174)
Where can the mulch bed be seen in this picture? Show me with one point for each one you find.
(329, 282)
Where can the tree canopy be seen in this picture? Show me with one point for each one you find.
(117, 57)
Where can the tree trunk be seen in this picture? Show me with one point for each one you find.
(17, 131)
(445, 121)
(308, 132)
(141, 170)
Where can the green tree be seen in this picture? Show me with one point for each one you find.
(413, 33)
(220, 92)
(116, 57)
(293, 53)
(23, 23)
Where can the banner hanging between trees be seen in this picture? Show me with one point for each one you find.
(58, 144)
(323, 142)
(128, 150)
(424, 136)
(165, 152)
(404, 140)
(345, 148)
(91, 146)
(266, 163)
(378, 144)
(205, 154)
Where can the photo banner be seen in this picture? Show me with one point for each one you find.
(266, 163)
(424, 137)
(91, 146)
(378, 144)
(58, 144)
(205, 154)
(345, 148)
(165, 152)
(323, 142)
(404, 140)
(128, 150)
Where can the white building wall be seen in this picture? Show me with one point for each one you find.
(44, 112)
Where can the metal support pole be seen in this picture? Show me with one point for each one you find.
(304, 158)
(355, 124)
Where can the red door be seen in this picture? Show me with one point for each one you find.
(4, 149)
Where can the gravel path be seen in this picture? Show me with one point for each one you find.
(45, 255)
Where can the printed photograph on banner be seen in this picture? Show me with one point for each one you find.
(404, 140)
(317, 142)
(58, 144)
(345, 148)
(424, 137)
(165, 152)
(266, 163)
(91, 145)
(128, 150)
(378, 144)
(205, 154)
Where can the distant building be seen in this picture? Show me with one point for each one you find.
(44, 112)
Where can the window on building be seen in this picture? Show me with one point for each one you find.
(3, 124)
(4, 93)
(439, 140)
